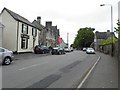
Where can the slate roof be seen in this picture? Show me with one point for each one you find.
(39, 26)
(18, 17)
(104, 35)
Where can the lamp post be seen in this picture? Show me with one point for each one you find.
(111, 23)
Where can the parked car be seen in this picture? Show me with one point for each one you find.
(90, 51)
(6, 56)
(41, 49)
(58, 51)
(84, 49)
(67, 50)
(45, 49)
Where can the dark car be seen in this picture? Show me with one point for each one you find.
(58, 51)
(41, 49)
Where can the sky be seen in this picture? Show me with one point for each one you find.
(68, 15)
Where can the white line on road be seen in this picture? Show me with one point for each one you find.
(84, 79)
(33, 66)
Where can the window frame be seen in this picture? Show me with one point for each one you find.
(24, 28)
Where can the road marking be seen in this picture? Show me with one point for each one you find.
(33, 66)
(84, 79)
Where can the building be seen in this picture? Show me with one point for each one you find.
(99, 36)
(1, 34)
(55, 34)
(42, 34)
(20, 35)
(63, 44)
(50, 34)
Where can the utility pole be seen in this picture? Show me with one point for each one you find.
(68, 39)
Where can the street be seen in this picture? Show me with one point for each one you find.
(52, 71)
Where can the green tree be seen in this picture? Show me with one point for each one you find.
(84, 37)
(118, 31)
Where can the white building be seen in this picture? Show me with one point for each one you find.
(19, 35)
(1, 34)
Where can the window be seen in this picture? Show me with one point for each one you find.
(24, 43)
(34, 32)
(24, 29)
(2, 50)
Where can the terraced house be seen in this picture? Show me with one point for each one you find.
(20, 35)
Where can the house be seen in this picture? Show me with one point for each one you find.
(56, 34)
(101, 36)
(20, 35)
(50, 34)
(42, 34)
(1, 34)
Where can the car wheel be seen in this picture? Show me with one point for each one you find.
(7, 61)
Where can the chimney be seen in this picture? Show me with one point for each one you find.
(108, 30)
(48, 24)
(39, 19)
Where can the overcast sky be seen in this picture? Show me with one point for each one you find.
(68, 15)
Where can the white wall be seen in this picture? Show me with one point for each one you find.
(30, 40)
(0, 36)
(9, 33)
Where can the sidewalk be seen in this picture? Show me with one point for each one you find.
(104, 75)
(28, 56)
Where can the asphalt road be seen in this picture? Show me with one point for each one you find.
(53, 71)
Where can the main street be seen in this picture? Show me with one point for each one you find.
(52, 71)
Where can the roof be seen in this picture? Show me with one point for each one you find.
(39, 26)
(18, 17)
(104, 35)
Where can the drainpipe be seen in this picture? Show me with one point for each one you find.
(17, 36)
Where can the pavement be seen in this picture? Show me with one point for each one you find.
(104, 75)
(28, 55)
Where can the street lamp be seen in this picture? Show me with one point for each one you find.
(111, 21)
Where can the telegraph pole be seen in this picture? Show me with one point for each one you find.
(68, 39)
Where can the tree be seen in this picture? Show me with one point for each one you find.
(118, 31)
(84, 38)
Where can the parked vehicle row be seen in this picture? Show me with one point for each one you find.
(58, 51)
(6, 56)
(40, 49)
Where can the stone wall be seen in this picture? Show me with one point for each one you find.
(107, 49)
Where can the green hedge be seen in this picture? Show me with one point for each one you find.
(109, 41)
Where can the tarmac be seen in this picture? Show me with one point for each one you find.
(105, 73)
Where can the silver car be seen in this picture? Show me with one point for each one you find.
(6, 56)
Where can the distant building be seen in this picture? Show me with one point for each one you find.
(52, 34)
(20, 35)
(42, 34)
(99, 36)
(1, 33)
(63, 44)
